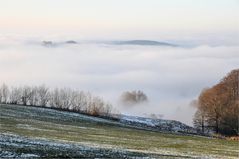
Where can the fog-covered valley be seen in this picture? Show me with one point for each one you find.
(170, 76)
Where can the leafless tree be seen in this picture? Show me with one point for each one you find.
(26, 94)
(4, 94)
(65, 95)
(55, 98)
(33, 98)
(133, 97)
(199, 120)
(43, 95)
(78, 101)
(15, 96)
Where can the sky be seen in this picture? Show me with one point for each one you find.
(120, 18)
(205, 31)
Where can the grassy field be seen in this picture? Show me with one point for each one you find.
(107, 138)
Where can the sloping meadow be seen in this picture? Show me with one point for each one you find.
(29, 131)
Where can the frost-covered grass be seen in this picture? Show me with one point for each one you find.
(96, 133)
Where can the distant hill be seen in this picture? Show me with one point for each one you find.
(143, 42)
(70, 42)
(123, 42)
(54, 44)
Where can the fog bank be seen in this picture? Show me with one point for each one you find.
(170, 76)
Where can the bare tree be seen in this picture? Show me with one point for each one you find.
(26, 94)
(78, 101)
(33, 98)
(108, 108)
(133, 97)
(199, 120)
(55, 98)
(65, 95)
(43, 95)
(4, 94)
(15, 96)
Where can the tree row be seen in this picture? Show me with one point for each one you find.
(65, 99)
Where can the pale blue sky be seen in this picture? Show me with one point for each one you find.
(95, 17)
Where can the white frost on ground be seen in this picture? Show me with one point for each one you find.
(136, 119)
(10, 145)
(28, 155)
(160, 124)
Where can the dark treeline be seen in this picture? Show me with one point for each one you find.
(64, 99)
(218, 106)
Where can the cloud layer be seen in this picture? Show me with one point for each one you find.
(170, 76)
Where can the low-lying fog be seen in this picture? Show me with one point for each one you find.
(171, 77)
